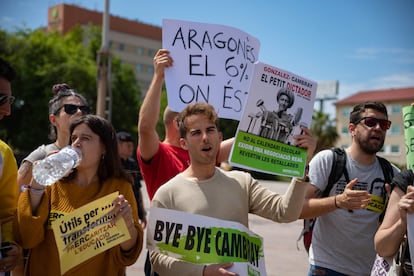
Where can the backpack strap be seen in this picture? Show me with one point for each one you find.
(388, 172)
(387, 169)
(338, 169)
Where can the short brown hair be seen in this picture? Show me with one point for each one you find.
(194, 109)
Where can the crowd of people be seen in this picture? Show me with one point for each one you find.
(182, 172)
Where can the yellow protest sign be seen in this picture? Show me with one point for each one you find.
(88, 231)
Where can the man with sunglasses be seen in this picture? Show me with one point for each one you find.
(343, 234)
(11, 252)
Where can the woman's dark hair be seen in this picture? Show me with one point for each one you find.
(61, 91)
(6, 70)
(110, 164)
(360, 108)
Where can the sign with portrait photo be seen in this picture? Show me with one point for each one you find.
(278, 104)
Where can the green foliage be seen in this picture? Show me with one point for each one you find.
(125, 98)
(43, 59)
(160, 124)
(228, 127)
(324, 129)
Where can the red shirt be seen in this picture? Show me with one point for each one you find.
(166, 163)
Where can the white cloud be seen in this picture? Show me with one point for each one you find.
(382, 82)
(399, 55)
(394, 80)
(347, 89)
(6, 19)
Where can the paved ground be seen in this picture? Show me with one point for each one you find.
(282, 257)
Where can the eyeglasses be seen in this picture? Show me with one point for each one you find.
(73, 108)
(372, 122)
(6, 98)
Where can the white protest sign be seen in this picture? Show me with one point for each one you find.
(211, 63)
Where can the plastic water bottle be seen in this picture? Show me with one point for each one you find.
(55, 166)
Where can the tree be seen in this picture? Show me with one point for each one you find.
(43, 59)
(324, 130)
(125, 98)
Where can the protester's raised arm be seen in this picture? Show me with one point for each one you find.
(150, 109)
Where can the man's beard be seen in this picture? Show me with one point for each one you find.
(368, 147)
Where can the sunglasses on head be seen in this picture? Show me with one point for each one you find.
(372, 122)
(6, 98)
(73, 108)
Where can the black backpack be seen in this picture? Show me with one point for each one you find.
(338, 169)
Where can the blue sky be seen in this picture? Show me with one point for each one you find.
(364, 44)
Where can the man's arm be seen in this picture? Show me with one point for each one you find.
(150, 109)
(314, 205)
(392, 229)
(225, 148)
(349, 200)
(24, 174)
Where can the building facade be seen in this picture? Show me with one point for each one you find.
(133, 42)
(394, 99)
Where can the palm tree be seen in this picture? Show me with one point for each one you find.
(324, 129)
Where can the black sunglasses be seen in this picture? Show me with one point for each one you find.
(372, 122)
(73, 108)
(6, 98)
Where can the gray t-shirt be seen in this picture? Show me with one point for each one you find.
(342, 240)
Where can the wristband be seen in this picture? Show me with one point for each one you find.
(34, 190)
(336, 205)
(306, 175)
(305, 178)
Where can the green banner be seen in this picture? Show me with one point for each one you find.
(205, 240)
(408, 116)
(262, 154)
(213, 245)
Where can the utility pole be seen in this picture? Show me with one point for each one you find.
(104, 92)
